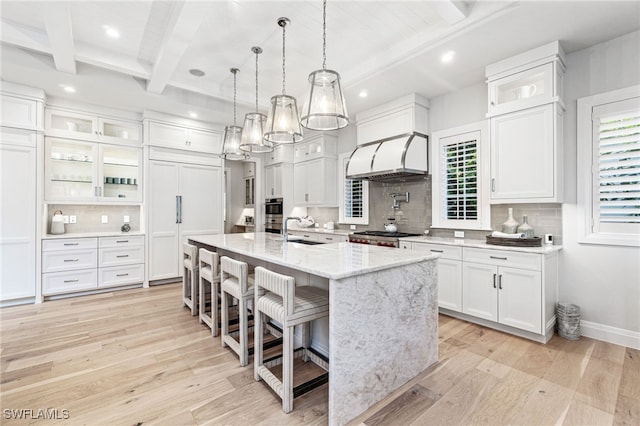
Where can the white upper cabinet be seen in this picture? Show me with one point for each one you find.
(74, 125)
(280, 154)
(525, 115)
(315, 172)
(92, 172)
(185, 138)
(319, 146)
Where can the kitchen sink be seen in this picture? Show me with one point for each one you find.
(307, 242)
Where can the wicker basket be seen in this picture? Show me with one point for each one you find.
(515, 242)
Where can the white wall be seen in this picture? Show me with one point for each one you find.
(457, 108)
(603, 280)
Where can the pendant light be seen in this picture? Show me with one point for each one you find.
(253, 129)
(324, 107)
(283, 122)
(233, 134)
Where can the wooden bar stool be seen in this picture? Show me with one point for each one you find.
(236, 283)
(209, 288)
(277, 297)
(190, 277)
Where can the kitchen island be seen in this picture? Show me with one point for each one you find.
(383, 313)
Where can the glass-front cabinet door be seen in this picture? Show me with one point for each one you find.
(92, 172)
(70, 170)
(524, 89)
(69, 124)
(117, 131)
(120, 173)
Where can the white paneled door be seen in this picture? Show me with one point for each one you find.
(17, 215)
(184, 200)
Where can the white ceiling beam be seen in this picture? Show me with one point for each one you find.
(57, 21)
(452, 11)
(180, 32)
(24, 36)
(88, 54)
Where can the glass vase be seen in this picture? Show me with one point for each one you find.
(525, 228)
(510, 226)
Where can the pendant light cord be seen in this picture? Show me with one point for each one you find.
(235, 72)
(324, 34)
(257, 53)
(283, 58)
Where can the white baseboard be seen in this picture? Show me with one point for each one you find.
(618, 336)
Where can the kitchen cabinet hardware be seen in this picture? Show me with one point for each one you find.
(178, 209)
(71, 260)
(494, 280)
(122, 275)
(122, 255)
(122, 241)
(493, 185)
(498, 257)
(500, 282)
(437, 251)
(71, 281)
(70, 244)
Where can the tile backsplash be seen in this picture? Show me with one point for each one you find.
(89, 217)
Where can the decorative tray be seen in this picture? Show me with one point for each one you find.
(515, 242)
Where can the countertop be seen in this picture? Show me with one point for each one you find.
(544, 249)
(91, 234)
(320, 230)
(333, 260)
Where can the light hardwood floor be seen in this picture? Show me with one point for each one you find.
(138, 357)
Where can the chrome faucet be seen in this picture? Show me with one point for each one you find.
(396, 202)
(285, 230)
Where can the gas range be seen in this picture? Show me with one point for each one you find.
(379, 238)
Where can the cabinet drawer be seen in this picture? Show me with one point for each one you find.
(120, 275)
(63, 282)
(503, 258)
(445, 251)
(333, 238)
(67, 260)
(123, 241)
(121, 256)
(70, 244)
(304, 235)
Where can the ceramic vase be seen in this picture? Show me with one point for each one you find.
(525, 228)
(510, 226)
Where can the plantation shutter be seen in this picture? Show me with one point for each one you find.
(459, 169)
(353, 198)
(616, 167)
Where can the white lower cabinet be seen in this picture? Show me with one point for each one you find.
(510, 290)
(83, 264)
(319, 236)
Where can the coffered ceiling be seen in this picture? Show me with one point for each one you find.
(388, 48)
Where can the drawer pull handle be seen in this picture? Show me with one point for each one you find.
(498, 257)
(71, 260)
(328, 238)
(437, 251)
(122, 241)
(71, 281)
(121, 275)
(123, 255)
(71, 244)
(500, 281)
(494, 280)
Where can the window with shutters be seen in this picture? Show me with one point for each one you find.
(459, 179)
(609, 156)
(354, 198)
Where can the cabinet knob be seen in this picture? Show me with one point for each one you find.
(493, 103)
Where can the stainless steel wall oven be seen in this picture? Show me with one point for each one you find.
(273, 215)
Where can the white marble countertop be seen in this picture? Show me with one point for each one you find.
(91, 234)
(320, 230)
(333, 260)
(544, 249)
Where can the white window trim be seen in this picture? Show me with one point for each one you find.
(584, 169)
(484, 208)
(364, 220)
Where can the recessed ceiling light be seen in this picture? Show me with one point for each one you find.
(196, 72)
(363, 94)
(111, 32)
(68, 89)
(448, 56)
(193, 114)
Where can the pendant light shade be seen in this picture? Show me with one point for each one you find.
(283, 121)
(233, 134)
(254, 122)
(324, 107)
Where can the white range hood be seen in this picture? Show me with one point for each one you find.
(395, 158)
